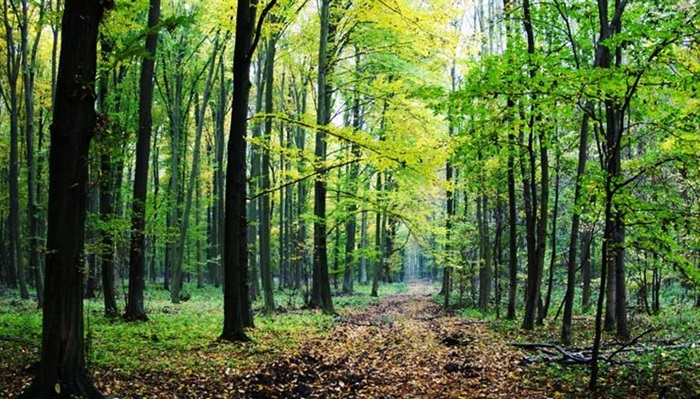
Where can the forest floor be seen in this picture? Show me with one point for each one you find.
(402, 345)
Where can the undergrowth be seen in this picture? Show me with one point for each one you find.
(176, 338)
(664, 363)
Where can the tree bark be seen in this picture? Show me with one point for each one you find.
(33, 215)
(61, 371)
(137, 254)
(13, 66)
(265, 212)
(321, 291)
(573, 241)
(237, 307)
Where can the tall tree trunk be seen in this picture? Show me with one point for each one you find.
(13, 63)
(321, 292)
(194, 173)
(450, 207)
(137, 254)
(254, 213)
(237, 307)
(33, 216)
(611, 251)
(299, 241)
(573, 241)
(353, 173)
(485, 269)
(536, 218)
(553, 257)
(265, 212)
(62, 366)
(107, 183)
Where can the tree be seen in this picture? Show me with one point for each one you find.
(321, 291)
(13, 58)
(137, 259)
(237, 307)
(61, 372)
(29, 64)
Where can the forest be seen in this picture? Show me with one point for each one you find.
(349, 199)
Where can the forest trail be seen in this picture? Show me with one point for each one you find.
(403, 346)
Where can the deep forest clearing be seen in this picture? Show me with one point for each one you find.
(361, 198)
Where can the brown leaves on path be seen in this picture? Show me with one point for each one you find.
(404, 346)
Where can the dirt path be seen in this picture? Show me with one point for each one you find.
(402, 347)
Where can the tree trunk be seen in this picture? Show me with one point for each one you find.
(137, 254)
(553, 256)
(237, 307)
(377, 242)
(177, 272)
(61, 371)
(265, 212)
(363, 246)
(485, 271)
(13, 60)
(536, 223)
(573, 241)
(33, 216)
(512, 228)
(586, 269)
(321, 292)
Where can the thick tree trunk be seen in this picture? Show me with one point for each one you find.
(61, 371)
(137, 254)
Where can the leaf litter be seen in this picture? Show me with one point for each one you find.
(403, 346)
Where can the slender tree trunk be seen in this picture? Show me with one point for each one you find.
(485, 269)
(378, 262)
(62, 365)
(177, 272)
(28, 66)
(137, 258)
(265, 212)
(535, 224)
(13, 62)
(553, 257)
(321, 292)
(254, 211)
(586, 269)
(573, 241)
(237, 307)
(363, 246)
